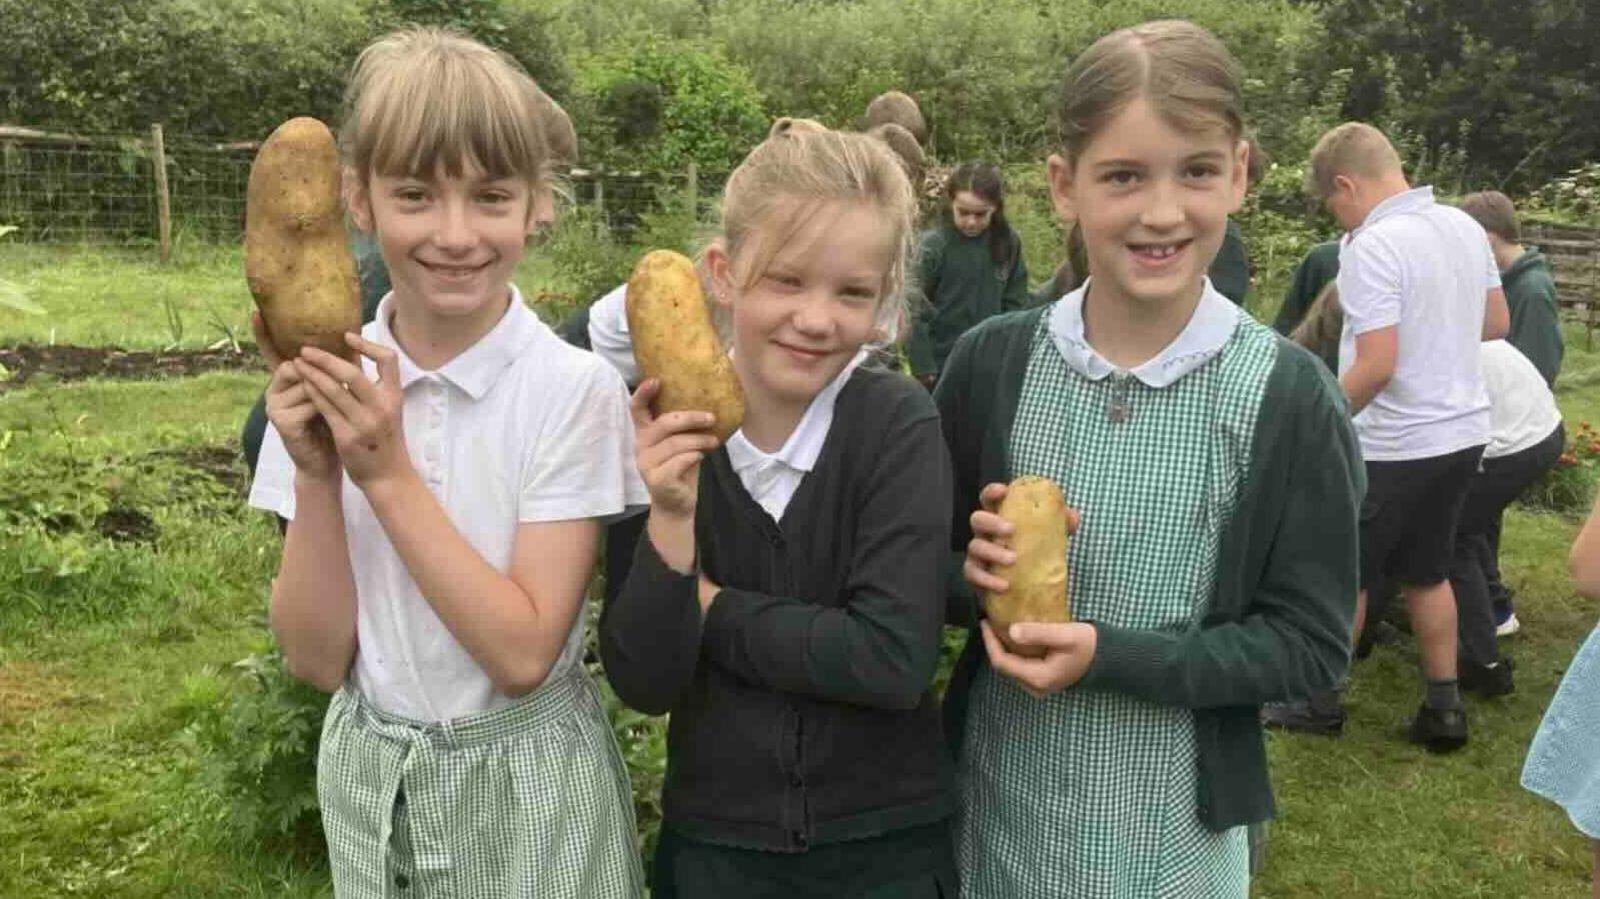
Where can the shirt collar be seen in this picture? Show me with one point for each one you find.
(1214, 320)
(804, 446)
(1406, 201)
(475, 369)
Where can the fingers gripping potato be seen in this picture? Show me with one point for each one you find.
(1038, 578)
(296, 256)
(675, 341)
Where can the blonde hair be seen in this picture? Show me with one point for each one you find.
(422, 99)
(789, 176)
(1179, 68)
(1354, 148)
(1323, 322)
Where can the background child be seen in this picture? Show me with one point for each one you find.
(1217, 479)
(971, 267)
(1525, 276)
(786, 603)
(1318, 269)
(1564, 761)
(1526, 438)
(444, 499)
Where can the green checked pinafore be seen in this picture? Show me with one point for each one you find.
(529, 801)
(1092, 794)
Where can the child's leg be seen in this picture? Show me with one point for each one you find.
(1433, 622)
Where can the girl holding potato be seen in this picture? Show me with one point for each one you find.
(1214, 479)
(444, 498)
(786, 603)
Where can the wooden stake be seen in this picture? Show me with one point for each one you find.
(158, 157)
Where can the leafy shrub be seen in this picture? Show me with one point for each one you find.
(1573, 196)
(258, 737)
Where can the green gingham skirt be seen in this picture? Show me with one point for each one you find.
(529, 800)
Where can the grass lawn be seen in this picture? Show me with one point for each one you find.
(132, 579)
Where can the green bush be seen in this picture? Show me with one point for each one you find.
(1569, 487)
(655, 106)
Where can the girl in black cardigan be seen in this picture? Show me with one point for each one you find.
(786, 603)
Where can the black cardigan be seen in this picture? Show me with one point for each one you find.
(801, 708)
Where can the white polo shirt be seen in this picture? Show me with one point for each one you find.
(771, 479)
(609, 337)
(1427, 269)
(1522, 410)
(519, 428)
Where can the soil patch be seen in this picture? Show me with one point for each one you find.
(126, 524)
(27, 688)
(224, 464)
(76, 363)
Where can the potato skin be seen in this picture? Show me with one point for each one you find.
(296, 256)
(675, 341)
(1038, 579)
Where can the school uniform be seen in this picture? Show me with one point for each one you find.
(1426, 269)
(961, 285)
(804, 756)
(1216, 557)
(1535, 316)
(1320, 266)
(1525, 439)
(431, 781)
(1230, 270)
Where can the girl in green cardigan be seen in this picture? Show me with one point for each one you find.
(970, 267)
(1215, 481)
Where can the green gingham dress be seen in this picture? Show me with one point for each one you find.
(527, 800)
(1089, 793)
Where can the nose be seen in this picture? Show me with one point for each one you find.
(1164, 209)
(454, 232)
(813, 317)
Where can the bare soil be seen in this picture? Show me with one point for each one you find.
(29, 362)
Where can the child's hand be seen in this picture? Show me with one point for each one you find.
(364, 417)
(290, 409)
(990, 534)
(1068, 652)
(668, 451)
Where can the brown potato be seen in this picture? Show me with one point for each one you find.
(296, 254)
(675, 340)
(1038, 579)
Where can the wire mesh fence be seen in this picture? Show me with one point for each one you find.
(102, 188)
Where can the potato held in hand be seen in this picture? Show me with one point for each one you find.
(1038, 579)
(296, 256)
(675, 341)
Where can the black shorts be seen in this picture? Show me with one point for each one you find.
(1408, 519)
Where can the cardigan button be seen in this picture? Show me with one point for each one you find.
(800, 839)
(797, 779)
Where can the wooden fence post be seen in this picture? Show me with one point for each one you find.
(158, 157)
(691, 188)
(600, 194)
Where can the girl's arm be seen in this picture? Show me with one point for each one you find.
(514, 625)
(1585, 556)
(881, 647)
(313, 606)
(650, 632)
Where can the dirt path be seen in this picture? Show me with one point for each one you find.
(20, 364)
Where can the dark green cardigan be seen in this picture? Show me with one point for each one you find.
(1283, 605)
(1535, 319)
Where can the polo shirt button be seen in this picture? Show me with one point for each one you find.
(800, 839)
(796, 779)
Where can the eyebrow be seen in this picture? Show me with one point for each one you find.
(1203, 156)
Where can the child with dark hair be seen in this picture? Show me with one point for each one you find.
(971, 267)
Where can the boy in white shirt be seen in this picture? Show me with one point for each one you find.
(1420, 290)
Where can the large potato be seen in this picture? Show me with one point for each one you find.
(296, 255)
(675, 340)
(1038, 579)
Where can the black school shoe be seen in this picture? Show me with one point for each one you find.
(1439, 730)
(1322, 714)
(1487, 681)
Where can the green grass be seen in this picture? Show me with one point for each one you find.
(113, 652)
(128, 299)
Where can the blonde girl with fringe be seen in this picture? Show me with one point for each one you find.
(445, 498)
(786, 601)
(1216, 480)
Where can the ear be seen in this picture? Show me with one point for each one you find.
(1240, 180)
(720, 268)
(1345, 184)
(357, 201)
(1059, 173)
